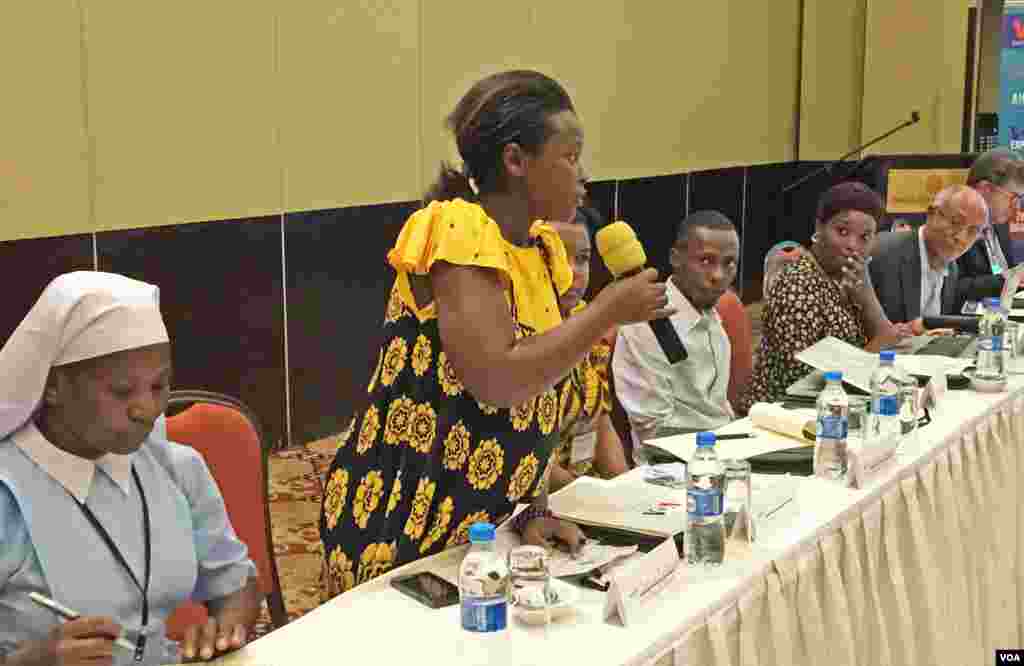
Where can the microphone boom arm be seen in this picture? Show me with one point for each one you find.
(827, 168)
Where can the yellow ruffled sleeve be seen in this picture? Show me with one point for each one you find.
(561, 270)
(455, 231)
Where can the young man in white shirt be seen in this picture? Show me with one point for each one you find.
(660, 398)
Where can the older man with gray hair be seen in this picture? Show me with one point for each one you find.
(915, 273)
(998, 176)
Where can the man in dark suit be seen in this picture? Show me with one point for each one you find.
(915, 273)
(998, 176)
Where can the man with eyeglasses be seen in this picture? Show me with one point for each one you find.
(998, 176)
(915, 273)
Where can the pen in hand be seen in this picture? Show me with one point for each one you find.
(68, 614)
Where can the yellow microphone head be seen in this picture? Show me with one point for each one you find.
(620, 249)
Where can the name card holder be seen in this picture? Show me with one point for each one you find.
(867, 461)
(934, 392)
(638, 581)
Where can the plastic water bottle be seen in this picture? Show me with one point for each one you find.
(886, 382)
(992, 329)
(483, 584)
(830, 459)
(705, 528)
(483, 593)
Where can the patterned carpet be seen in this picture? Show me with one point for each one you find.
(295, 492)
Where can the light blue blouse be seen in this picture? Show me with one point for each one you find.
(196, 554)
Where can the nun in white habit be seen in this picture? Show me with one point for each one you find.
(98, 511)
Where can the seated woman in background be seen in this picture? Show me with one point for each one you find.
(826, 292)
(588, 442)
(98, 511)
(464, 403)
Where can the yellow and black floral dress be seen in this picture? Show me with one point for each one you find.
(584, 396)
(426, 459)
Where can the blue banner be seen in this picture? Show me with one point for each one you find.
(1011, 84)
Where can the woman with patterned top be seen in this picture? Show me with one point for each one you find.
(588, 442)
(464, 402)
(826, 292)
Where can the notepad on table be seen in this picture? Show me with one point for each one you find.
(621, 503)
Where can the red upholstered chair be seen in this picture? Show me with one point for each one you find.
(229, 437)
(736, 323)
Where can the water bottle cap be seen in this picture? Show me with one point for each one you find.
(993, 303)
(887, 355)
(833, 376)
(706, 439)
(481, 532)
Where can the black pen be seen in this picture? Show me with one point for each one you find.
(593, 584)
(738, 435)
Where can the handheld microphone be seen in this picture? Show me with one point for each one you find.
(624, 256)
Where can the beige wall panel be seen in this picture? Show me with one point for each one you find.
(181, 104)
(914, 60)
(462, 43)
(587, 65)
(833, 78)
(43, 162)
(703, 85)
(661, 87)
(349, 76)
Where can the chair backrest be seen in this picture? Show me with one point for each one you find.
(229, 437)
(736, 323)
(776, 259)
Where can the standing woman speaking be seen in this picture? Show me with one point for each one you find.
(463, 404)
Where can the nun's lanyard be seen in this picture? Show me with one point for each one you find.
(140, 644)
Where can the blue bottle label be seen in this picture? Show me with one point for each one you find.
(886, 405)
(832, 427)
(704, 503)
(484, 614)
(992, 343)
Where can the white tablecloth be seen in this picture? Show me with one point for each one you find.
(922, 567)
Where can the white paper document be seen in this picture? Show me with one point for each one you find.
(929, 365)
(763, 441)
(834, 354)
(625, 503)
(857, 365)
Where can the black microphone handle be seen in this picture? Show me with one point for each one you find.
(664, 332)
(668, 340)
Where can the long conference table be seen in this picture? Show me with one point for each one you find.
(922, 566)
